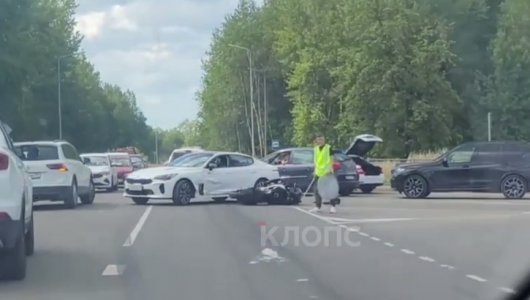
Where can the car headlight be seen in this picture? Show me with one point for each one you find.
(165, 177)
(398, 170)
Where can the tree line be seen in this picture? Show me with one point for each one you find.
(421, 74)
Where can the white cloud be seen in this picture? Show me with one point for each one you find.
(154, 48)
(90, 24)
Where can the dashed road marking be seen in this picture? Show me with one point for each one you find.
(134, 233)
(113, 270)
(447, 267)
(476, 278)
(375, 238)
(407, 251)
(302, 280)
(426, 258)
(389, 244)
(364, 234)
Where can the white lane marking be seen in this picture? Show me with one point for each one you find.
(389, 244)
(375, 238)
(476, 278)
(447, 267)
(526, 212)
(134, 233)
(507, 290)
(327, 220)
(380, 220)
(302, 280)
(364, 233)
(113, 270)
(426, 258)
(407, 251)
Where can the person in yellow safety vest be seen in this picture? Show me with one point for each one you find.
(323, 161)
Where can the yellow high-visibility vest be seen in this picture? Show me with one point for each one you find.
(323, 161)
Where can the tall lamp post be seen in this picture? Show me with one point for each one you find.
(249, 55)
(59, 103)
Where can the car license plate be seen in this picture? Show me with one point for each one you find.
(135, 187)
(350, 177)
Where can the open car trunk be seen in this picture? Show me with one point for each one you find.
(359, 148)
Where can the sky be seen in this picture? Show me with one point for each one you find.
(153, 48)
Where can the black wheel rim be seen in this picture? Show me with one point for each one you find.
(414, 186)
(184, 192)
(513, 187)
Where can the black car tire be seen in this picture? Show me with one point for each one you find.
(514, 186)
(13, 261)
(140, 201)
(30, 239)
(183, 192)
(90, 196)
(71, 198)
(367, 189)
(415, 187)
(219, 199)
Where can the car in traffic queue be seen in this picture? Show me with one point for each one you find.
(57, 172)
(495, 167)
(370, 175)
(296, 165)
(138, 161)
(204, 174)
(122, 164)
(16, 211)
(181, 152)
(103, 175)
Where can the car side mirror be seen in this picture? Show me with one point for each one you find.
(445, 163)
(212, 166)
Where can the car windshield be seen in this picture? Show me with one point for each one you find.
(96, 161)
(192, 160)
(120, 161)
(38, 152)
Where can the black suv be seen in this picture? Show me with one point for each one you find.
(477, 167)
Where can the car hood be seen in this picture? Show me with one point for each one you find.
(153, 172)
(362, 144)
(99, 169)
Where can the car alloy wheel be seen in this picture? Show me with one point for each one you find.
(513, 187)
(260, 183)
(183, 192)
(415, 186)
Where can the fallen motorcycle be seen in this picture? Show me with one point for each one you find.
(274, 192)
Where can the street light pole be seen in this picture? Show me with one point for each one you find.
(251, 79)
(156, 147)
(489, 126)
(59, 102)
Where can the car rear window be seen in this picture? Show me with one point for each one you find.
(38, 152)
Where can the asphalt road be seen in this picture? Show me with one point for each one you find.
(379, 246)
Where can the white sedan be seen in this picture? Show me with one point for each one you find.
(203, 174)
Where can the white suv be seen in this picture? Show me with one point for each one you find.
(16, 211)
(57, 172)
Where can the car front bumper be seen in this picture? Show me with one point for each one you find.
(152, 190)
(102, 181)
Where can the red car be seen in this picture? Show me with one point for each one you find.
(122, 163)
